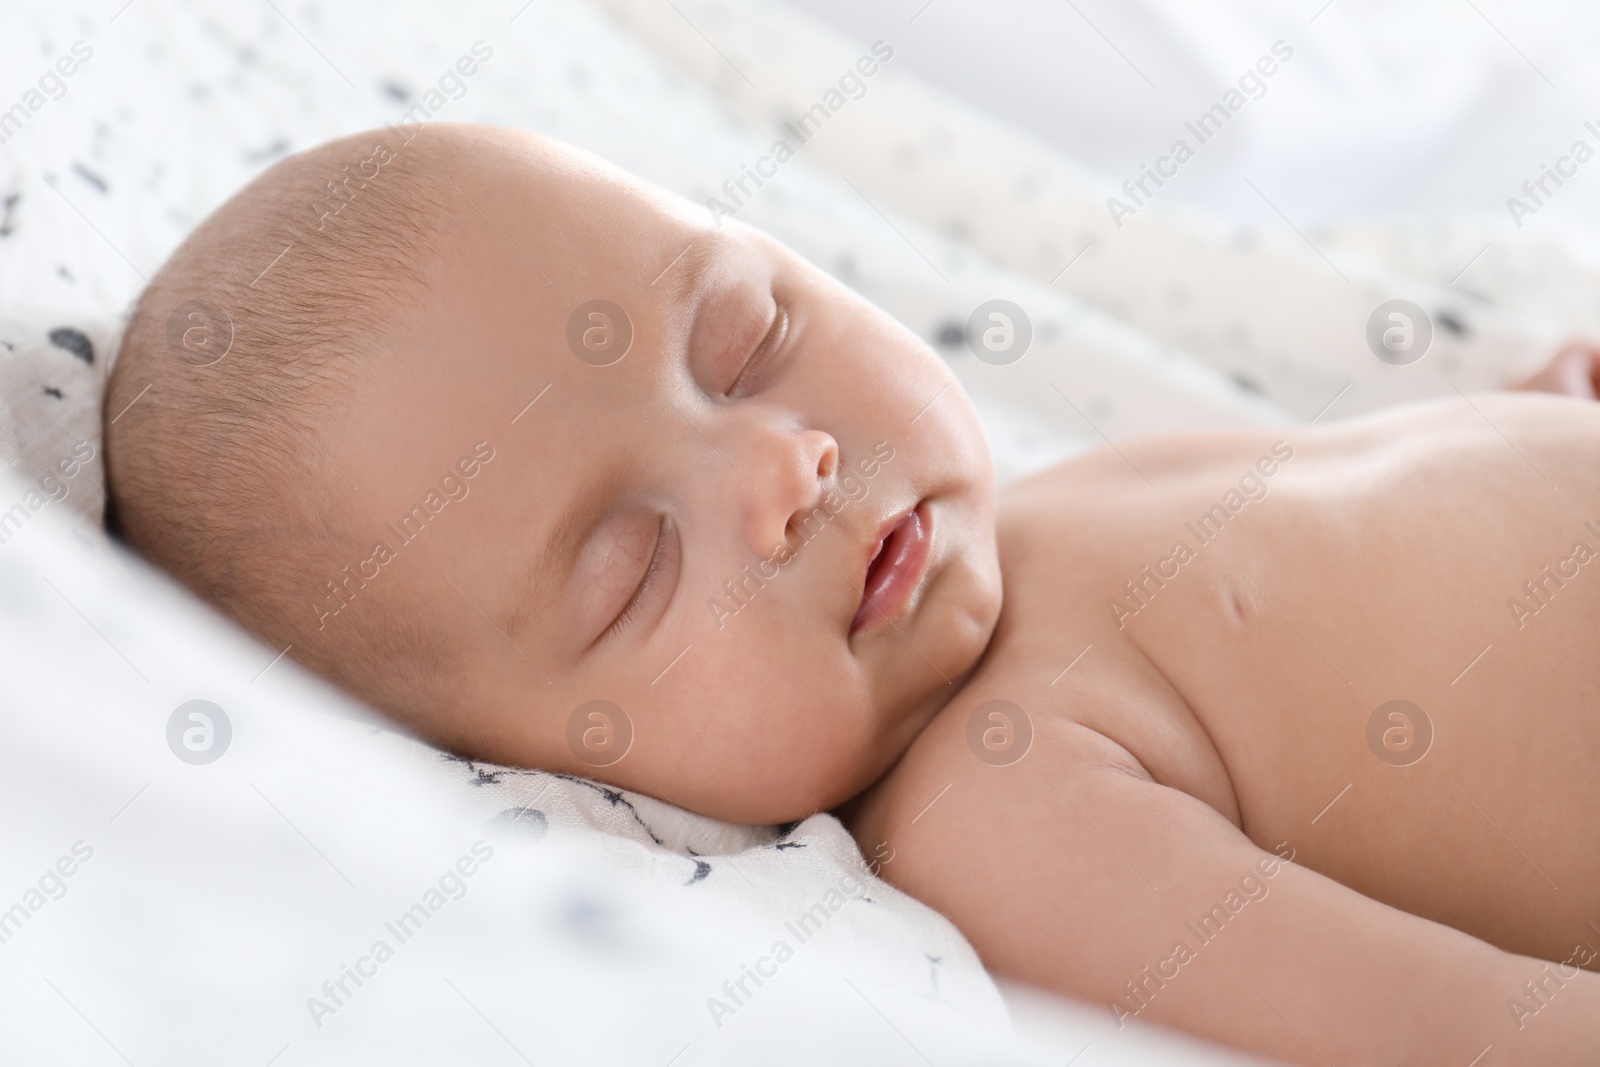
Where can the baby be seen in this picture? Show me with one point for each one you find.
(1287, 739)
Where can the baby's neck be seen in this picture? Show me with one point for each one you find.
(924, 714)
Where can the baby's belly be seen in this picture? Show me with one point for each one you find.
(1396, 655)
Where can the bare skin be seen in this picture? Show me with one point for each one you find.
(1225, 721)
(1185, 747)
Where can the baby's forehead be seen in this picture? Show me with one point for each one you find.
(589, 296)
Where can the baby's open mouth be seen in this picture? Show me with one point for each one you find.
(894, 568)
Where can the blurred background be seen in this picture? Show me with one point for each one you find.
(1424, 108)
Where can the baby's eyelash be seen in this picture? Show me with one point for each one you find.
(643, 587)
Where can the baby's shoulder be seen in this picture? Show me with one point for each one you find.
(981, 758)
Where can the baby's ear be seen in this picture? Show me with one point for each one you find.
(1574, 372)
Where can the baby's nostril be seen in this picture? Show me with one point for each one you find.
(828, 461)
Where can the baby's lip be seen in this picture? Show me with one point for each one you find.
(894, 562)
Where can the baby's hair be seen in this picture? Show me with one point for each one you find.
(236, 356)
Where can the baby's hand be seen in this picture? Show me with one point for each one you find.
(1574, 372)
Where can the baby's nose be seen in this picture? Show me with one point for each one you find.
(788, 473)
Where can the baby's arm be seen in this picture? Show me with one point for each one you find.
(1074, 870)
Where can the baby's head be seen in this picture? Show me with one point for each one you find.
(485, 430)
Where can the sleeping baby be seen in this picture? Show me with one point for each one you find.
(1288, 739)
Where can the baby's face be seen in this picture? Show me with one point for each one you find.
(684, 531)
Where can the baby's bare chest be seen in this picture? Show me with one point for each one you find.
(1370, 618)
